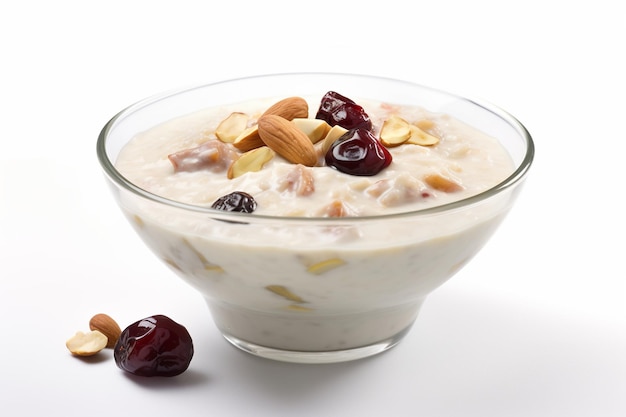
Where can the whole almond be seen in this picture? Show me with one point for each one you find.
(289, 108)
(107, 326)
(287, 140)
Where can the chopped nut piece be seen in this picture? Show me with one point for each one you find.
(213, 155)
(315, 129)
(401, 190)
(441, 183)
(337, 209)
(331, 137)
(325, 266)
(378, 188)
(419, 137)
(138, 221)
(249, 139)
(299, 180)
(208, 266)
(360, 185)
(395, 131)
(425, 124)
(284, 292)
(250, 161)
(460, 151)
(172, 263)
(296, 307)
(231, 127)
(86, 344)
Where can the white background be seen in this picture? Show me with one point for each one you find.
(535, 326)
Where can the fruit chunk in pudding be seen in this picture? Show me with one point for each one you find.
(302, 285)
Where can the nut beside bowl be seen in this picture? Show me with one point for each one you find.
(314, 290)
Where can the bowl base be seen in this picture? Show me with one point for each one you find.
(316, 357)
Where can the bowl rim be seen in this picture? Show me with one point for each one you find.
(117, 178)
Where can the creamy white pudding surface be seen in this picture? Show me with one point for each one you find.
(463, 155)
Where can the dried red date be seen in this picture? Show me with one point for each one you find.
(236, 201)
(154, 346)
(336, 109)
(358, 152)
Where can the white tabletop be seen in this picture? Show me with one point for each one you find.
(534, 326)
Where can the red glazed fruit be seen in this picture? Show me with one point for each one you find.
(358, 152)
(336, 109)
(154, 346)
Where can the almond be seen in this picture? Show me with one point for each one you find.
(419, 137)
(86, 344)
(250, 161)
(287, 140)
(315, 129)
(289, 108)
(425, 124)
(331, 137)
(337, 209)
(107, 326)
(395, 131)
(231, 127)
(441, 183)
(284, 292)
(249, 139)
(325, 266)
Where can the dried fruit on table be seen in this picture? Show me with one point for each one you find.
(154, 346)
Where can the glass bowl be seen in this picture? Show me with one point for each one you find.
(314, 290)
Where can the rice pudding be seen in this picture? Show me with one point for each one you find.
(351, 265)
(463, 160)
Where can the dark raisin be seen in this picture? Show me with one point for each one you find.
(358, 152)
(154, 346)
(336, 109)
(236, 201)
